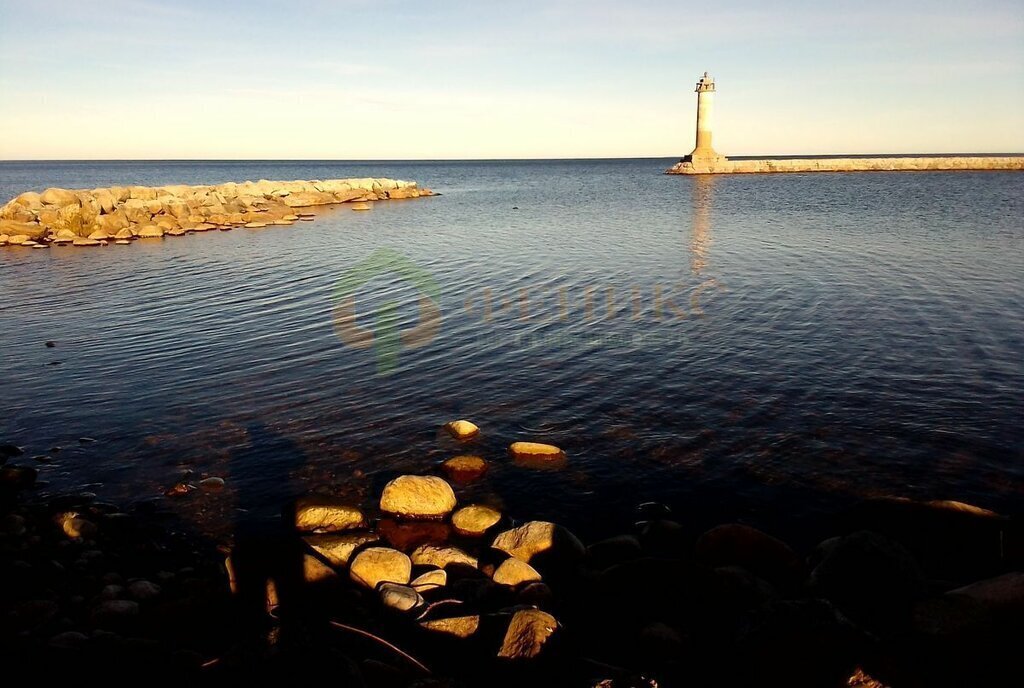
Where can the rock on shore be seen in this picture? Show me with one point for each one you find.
(92, 217)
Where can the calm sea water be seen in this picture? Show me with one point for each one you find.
(762, 347)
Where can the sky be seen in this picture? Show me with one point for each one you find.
(347, 79)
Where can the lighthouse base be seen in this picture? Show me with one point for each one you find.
(701, 162)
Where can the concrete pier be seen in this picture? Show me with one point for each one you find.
(705, 160)
(840, 164)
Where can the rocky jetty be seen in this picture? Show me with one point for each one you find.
(121, 214)
(425, 590)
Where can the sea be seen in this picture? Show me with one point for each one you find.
(769, 349)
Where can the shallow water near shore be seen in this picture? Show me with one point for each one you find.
(762, 347)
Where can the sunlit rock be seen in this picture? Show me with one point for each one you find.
(325, 515)
(536, 455)
(542, 541)
(513, 572)
(375, 565)
(431, 580)
(527, 634)
(337, 548)
(151, 232)
(457, 626)
(415, 496)
(462, 429)
(441, 557)
(475, 520)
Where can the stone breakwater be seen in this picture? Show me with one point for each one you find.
(122, 214)
(880, 164)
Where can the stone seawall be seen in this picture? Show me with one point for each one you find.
(121, 214)
(880, 164)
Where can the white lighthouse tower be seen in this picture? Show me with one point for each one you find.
(704, 157)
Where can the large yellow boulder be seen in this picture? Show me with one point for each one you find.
(375, 565)
(418, 496)
(59, 197)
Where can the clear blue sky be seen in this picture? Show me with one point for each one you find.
(381, 79)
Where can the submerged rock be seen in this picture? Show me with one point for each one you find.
(462, 429)
(414, 496)
(464, 468)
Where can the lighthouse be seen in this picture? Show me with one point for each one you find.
(704, 157)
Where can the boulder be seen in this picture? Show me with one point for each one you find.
(735, 544)
(85, 242)
(151, 232)
(541, 544)
(513, 572)
(614, 550)
(375, 565)
(442, 557)
(59, 197)
(475, 520)
(464, 468)
(337, 548)
(528, 633)
(414, 496)
(462, 429)
(326, 515)
(1002, 595)
(872, 579)
(28, 229)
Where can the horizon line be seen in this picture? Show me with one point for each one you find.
(512, 159)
